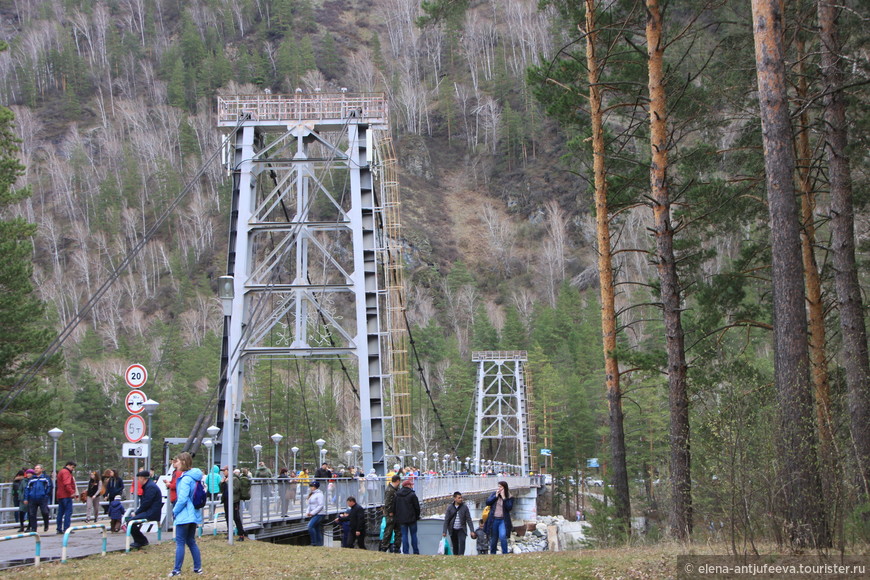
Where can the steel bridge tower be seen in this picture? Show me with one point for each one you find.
(313, 252)
(502, 411)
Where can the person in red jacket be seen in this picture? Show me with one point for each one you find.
(66, 491)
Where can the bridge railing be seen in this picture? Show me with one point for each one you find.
(273, 500)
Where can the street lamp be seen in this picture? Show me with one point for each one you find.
(402, 457)
(227, 293)
(320, 443)
(420, 454)
(435, 460)
(277, 439)
(150, 406)
(257, 449)
(208, 443)
(445, 462)
(468, 464)
(295, 450)
(55, 434)
(356, 449)
(347, 455)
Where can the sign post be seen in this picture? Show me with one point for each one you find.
(134, 428)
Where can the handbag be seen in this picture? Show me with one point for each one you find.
(83, 497)
(444, 548)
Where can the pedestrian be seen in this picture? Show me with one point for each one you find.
(371, 480)
(92, 497)
(355, 518)
(19, 482)
(116, 514)
(284, 485)
(264, 474)
(173, 481)
(113, 486)
(407, 515)
(482, 540)
(456, 518)
(237, 498)
(498, 525)
(66, 492)
(389, 511)
(213, 486)
(37, 496)
(150, 507)
(315, 511)
(187, 516)
(323, 473)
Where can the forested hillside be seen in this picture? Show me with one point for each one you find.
(495, 118)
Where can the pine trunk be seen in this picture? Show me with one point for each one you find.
(799, 468)
(605, 273)
(854, 356)
(812, 279)
(680, 517)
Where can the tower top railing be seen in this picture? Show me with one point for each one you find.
(267, 109)
(480, 355)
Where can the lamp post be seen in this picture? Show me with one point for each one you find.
(150, 406)
(227, 293)
(402, 457)
(146, 440)
(420, 454)
(295, 450)
(347, 455)
(320, 443)
(277, 439)
(356, 449)
(55, 434)
(468, 464)
(257, 449)
(209, 444)
(445, 462)
(213, 432)
(435, 461)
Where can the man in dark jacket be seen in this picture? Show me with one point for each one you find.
(355, 518)
(456, 519)
(390, 515)
(37, 496)
(150, 507)
(407, 514)
(323, 474)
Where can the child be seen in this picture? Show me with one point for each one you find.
(116, 514)
(482, 540)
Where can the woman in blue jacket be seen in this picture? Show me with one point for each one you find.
(187, 517)
(498, 525)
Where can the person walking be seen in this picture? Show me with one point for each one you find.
(187, 516)
(389, 511)
(315, 511)
(237, 498)
(19, 482)
(37, 496)
(150, 507)
(66, 491)
(456, 519)
(355, 517)
(498, 525)
(284, 486)
(407, 515)
(92, 497)
(213, 486)
(482, 540)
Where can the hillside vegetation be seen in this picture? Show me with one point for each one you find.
(114, 108)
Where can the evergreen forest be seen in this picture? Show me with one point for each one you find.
(664, 203)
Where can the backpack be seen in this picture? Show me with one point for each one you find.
(245, 488)
(198, 495)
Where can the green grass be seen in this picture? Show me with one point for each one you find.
(252, 560)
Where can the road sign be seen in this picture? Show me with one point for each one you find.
(134, 428)
(135, 375)
(592, 462)
(135, 401)
(134, 450)
(546, 452)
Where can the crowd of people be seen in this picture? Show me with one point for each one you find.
(33, 491)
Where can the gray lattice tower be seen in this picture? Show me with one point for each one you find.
(501, 407)
(306, 242)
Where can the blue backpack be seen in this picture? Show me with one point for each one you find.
(198, 495)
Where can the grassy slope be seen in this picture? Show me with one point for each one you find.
(251, 560)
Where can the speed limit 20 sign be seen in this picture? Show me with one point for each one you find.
(135, 375)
